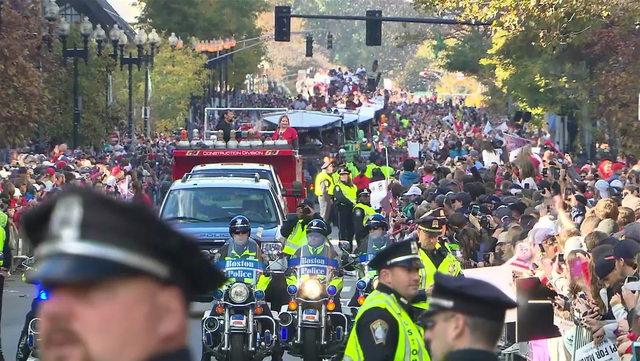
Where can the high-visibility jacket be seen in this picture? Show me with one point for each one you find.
(251, 253)
(369, 171)
(387, 171)
(410, 345)
(450, 265)
(3, 238)
(368, 211)
(296, 239)
(348, 191)
(353, 169)
(4, 219)
(321, 177)
(324, 251)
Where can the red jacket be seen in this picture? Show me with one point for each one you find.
(361, 181)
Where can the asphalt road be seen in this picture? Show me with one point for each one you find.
(18, 295)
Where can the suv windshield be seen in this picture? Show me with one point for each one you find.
(238, 173)
(219, 205)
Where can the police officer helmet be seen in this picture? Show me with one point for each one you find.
(239, 224)
(376, 221)
(318, 226)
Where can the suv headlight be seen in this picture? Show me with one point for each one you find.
(239, 292)
(311, 289)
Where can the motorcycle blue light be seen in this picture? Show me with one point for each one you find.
(267, 338)
(361, 285)
(30, 340)
(292, 289)
(283, 334)
(332, 290)
(43, 295)
(217, 294)
(259, 294)
(339, 333)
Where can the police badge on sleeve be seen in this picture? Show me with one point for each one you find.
(379, 330)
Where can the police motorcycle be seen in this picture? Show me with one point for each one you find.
(311, 327)
(27, 349)
(240, 326)
(376, 241)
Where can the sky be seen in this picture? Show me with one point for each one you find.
(124, 8)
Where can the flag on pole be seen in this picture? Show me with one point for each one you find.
(110, 100)
(150, 87)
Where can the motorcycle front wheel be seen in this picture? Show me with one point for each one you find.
(236, 353)
(310, 340)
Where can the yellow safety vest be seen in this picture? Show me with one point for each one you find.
(348, 191)
(322, 251)
(263, 281)
(353, 169)
(336, 177)
(321, 177)
(410, 346)
(387, 171)
(296, 239)
(450, 266)
(3, 238)
(4, 219)
(368, 211)
(369, 171)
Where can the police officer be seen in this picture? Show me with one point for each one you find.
(324, 189)
(361, 212)
(384, 327)
(435, 254)
(119, 279)
(345, 199)
(23, 350)
(241, 246)
(318, 244)
(5, 260)
(465, 319)
(376, 241)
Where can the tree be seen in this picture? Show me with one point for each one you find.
(23, 99)
(211, 19)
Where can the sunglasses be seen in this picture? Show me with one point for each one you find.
(240, 232)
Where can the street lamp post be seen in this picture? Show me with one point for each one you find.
(86, 30)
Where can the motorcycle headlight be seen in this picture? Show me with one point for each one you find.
(239, 292)
(374, 283)
(311, 289)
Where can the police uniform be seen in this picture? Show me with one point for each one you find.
(384, 328)
(361, 212)
(83, 237)
(324, 191)
(441, 259)
(7, 258)
(345, 199)
(470, 297)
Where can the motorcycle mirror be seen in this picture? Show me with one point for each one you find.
(345, 246)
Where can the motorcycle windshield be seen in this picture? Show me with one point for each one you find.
(241, 263)
(314, 270)
(374, 245)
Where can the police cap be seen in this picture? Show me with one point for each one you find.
(399, 254)
(82, 236)
(432, 225)
(363, 192)
(344, 171)
(468, 296)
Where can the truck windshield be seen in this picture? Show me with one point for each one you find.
(219, 205)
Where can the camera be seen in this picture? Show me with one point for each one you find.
(306, 211)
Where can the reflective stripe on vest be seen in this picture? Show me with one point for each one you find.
(321, 177)
(348, 191)
(450, 266)
(295, 239)
(368, 211)
(410, 346)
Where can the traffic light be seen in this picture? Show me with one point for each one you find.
(374, 28)
(330, 41)
(309, 46)
(283, 23)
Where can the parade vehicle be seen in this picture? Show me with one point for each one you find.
(310, 326)
(285, 161)
(203, 207)
(356, 140)
(238, 328)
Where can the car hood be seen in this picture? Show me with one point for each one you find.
(216, 235)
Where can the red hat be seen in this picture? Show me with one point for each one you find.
(617, 166)
(61, 164)
(152, 156)
(115, 171)
(50, 171)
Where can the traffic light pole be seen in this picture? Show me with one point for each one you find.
(389, 19)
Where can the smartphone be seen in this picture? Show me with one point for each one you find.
(567, 192)
(475, 210)
(636, 350)
(555, 172)
(527, 186)
(561, 258)
(632, 279)
(545, 172)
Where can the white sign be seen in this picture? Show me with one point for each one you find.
(378, 192)
(606, 351)
(414, 149)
